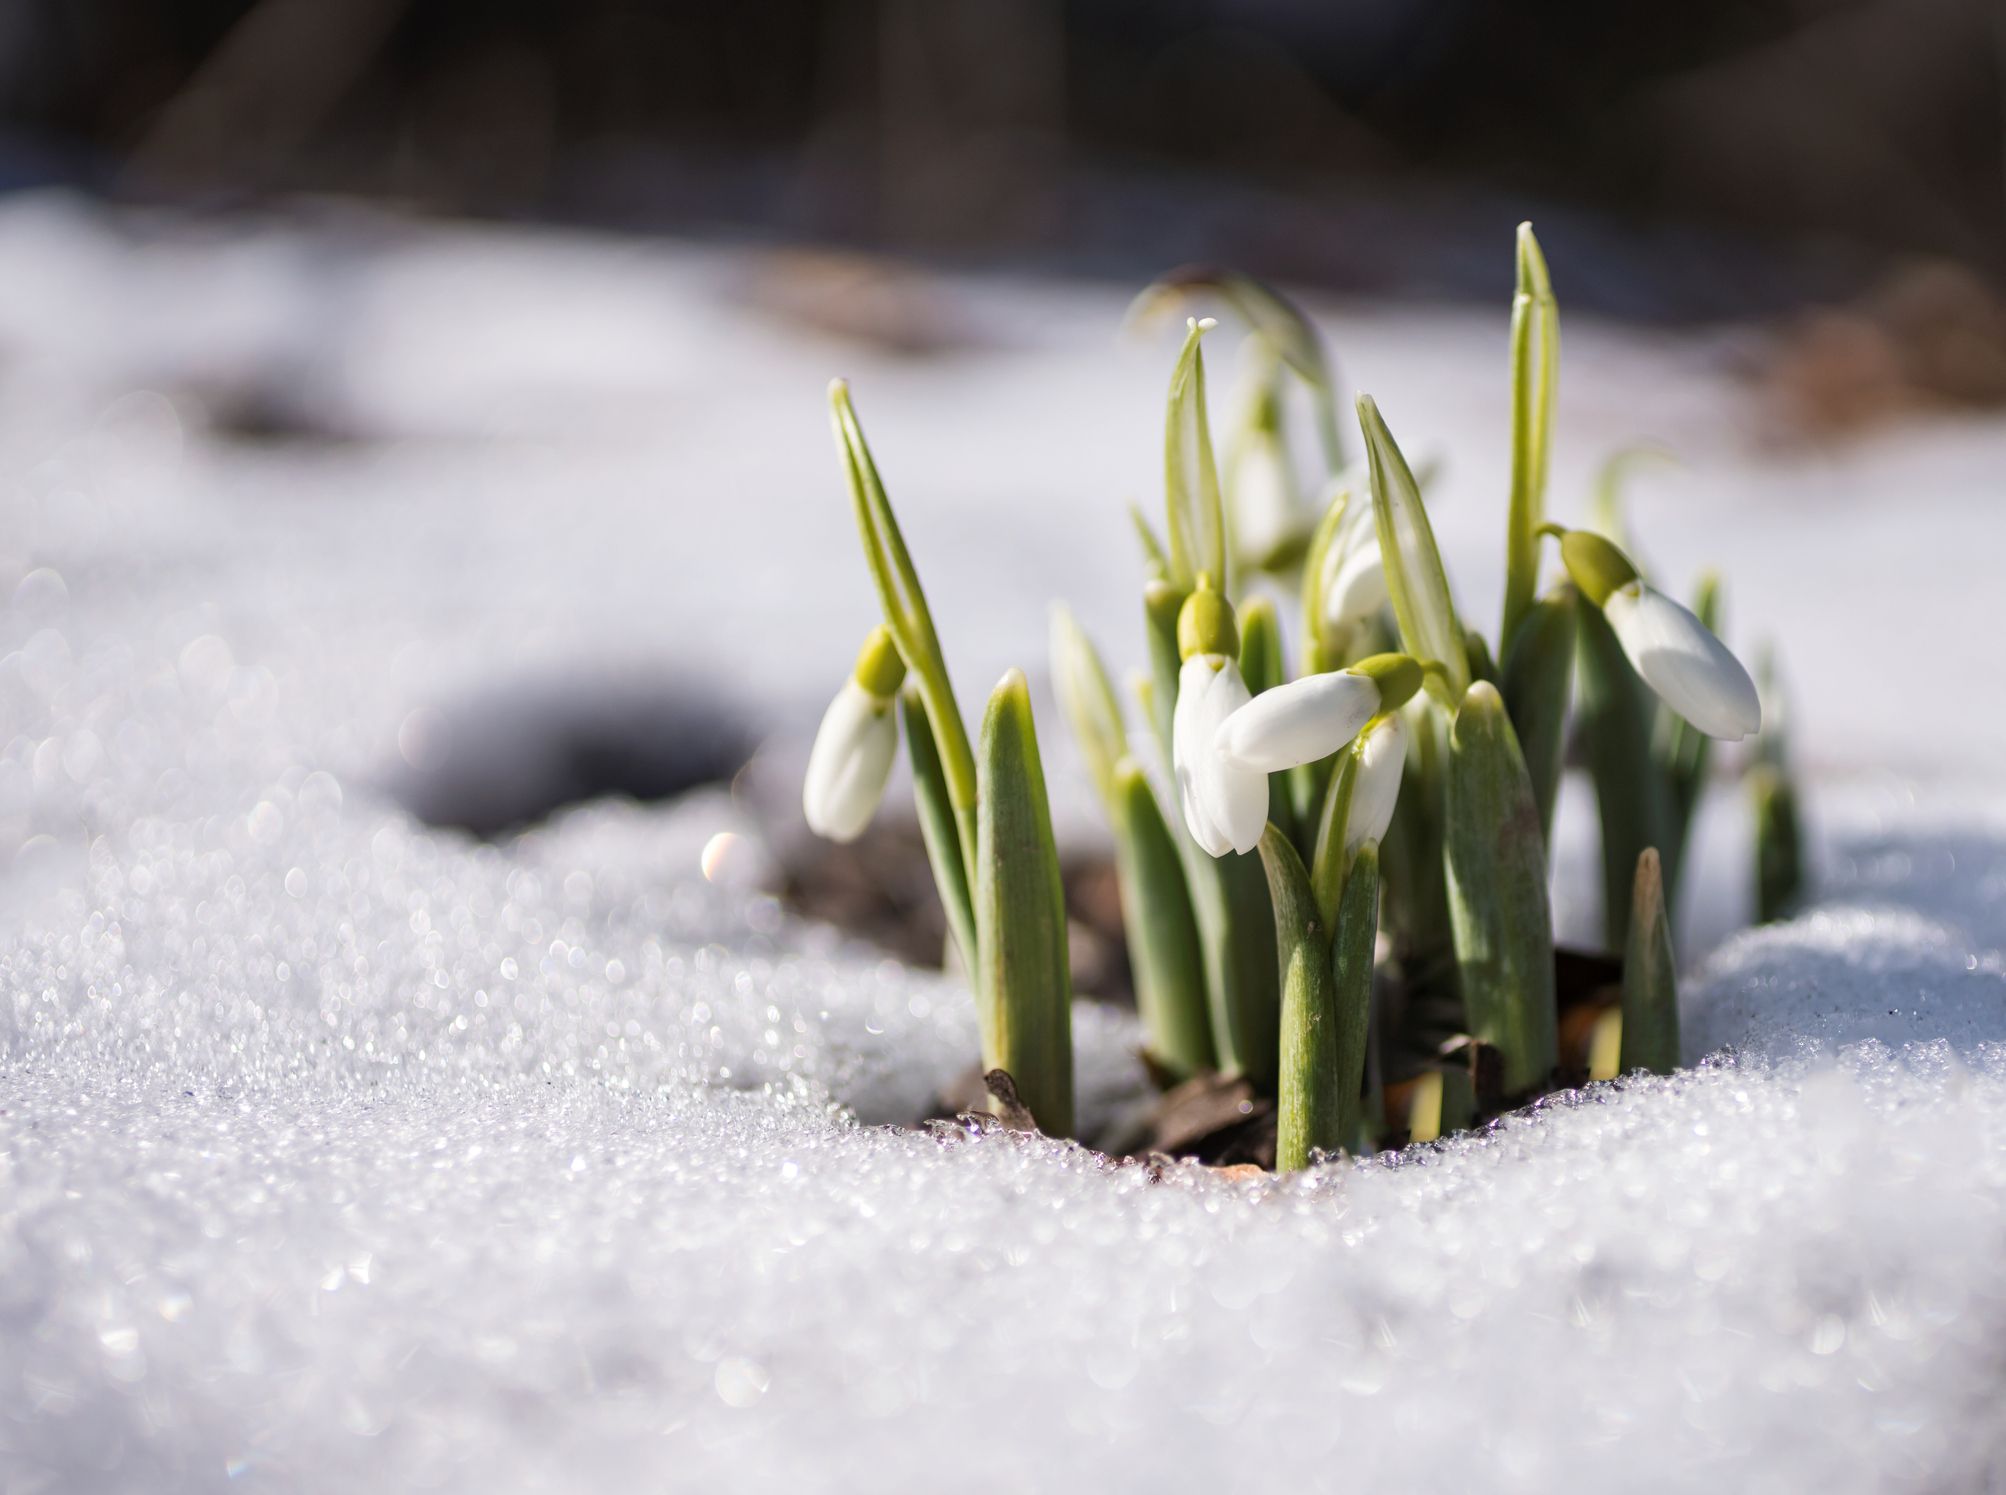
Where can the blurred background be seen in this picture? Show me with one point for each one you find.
(1719, 157)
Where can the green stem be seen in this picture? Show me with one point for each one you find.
(1650, 979)
(1309, 1109)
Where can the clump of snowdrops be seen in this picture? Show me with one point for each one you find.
(1334, 871)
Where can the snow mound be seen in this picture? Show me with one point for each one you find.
(337, 1152)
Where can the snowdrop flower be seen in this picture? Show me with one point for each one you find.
(1354, 587)
(1351, 582)
(1382, 758)
(1263, 496)
(1225, 806)
(1674, 652)
(852, 756)
(1311, 718)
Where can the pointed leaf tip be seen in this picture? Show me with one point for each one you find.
(1416, 583)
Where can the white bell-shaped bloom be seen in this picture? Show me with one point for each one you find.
(1680, 659)
(1354, 586)
(850, 763)
(1300, 722)
(1263, 497)
(1382, 759)
(1225, 806)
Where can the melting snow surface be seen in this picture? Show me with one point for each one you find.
(338, 1153)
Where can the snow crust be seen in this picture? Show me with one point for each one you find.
(338, 1152)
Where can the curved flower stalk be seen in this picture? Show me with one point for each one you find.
(1672, 651)
(852, 758)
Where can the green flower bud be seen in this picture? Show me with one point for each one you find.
(1598, 567)
(1205, 624)
(879, 669)
(1398, 677)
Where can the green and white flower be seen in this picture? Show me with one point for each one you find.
(854, 747)
(1382, 760)
(1672, 651)
(1309, 719)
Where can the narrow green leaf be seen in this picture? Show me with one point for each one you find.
(1779, 842)
(1650, 980)
(1538, 682)
(1162, 601)
(1197, 520)
(1236, 932)
(1535, 359)
(1415, 580)
(1498, 908)
(1263, 668)
(1410, 857)
(1617, 713)
(1024, 984)
(1087, 697)
(1163, 946)
(1309, 1102)
(1352, 951)
(937, 826)
(1261, 663)
(903, 603)
(1153, 558)
(1478, 654)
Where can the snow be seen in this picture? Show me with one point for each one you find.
(339, 1151)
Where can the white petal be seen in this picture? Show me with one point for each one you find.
(1382, 760)
(1299, 722)
(1683, 662)
(1355, 587)
(849, 764)
(1225, 808)
(1263, 505)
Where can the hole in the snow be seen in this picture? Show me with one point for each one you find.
(496, 763)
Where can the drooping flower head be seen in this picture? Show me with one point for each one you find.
(852, 757)
(1225, 806)
(1672, 651)
(1311, 718)
(1382, 760)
